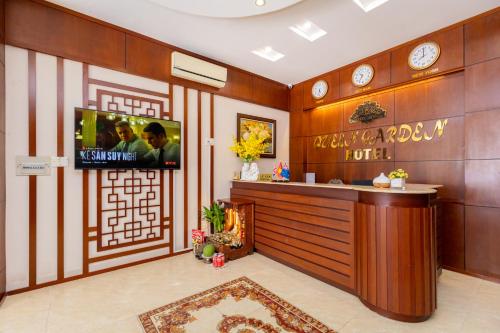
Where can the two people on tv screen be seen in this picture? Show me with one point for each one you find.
(164, 153)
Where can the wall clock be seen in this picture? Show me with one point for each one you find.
(424, 55)
(319, 89)
(362, 75)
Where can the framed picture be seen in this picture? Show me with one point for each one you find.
(264, 127)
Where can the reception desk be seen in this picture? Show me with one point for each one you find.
(379, 244)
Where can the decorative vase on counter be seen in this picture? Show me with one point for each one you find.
(398, 182)
(382, 181)
(250, 171)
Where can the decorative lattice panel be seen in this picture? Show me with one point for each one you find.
(129, 202)
(131, 208)
(129, 104)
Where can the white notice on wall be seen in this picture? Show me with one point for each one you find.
(33, 165)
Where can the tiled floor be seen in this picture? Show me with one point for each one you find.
(111, 302)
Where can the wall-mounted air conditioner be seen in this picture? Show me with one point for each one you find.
(197, 70)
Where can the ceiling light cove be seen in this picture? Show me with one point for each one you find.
(260, 2)
(308, 30)
(368, 5)
(268, 53)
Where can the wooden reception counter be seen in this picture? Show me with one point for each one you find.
(379, 244)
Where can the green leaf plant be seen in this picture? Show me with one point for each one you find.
(215, 215)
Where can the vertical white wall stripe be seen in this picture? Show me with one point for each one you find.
(16, 130)
(205, 151)
(73, 259)
(46, 142)
(179, 174)
(193, 162)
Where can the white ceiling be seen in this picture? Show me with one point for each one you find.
(352, 33)
(225, 8)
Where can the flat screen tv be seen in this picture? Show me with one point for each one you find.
(110, 140)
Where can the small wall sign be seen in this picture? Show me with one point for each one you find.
(33, 165)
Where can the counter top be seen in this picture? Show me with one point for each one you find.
(410, 188)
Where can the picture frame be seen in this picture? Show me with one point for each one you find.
(245, 122)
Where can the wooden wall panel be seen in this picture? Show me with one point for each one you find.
(359, 144)
(147, 58)
(437, 98)
(450, 146)
(321, 155)
(333, 93)
(326, 171)
(365, 171)
(49, 28)
(297, 150)
(385, 100)
(450, 174)
(239, 85)
(39, 27)
(482, 135)
(482, 181)
(296, 172)
(271, 93)
(325, 120)
(296, 106)
(482, 86)
(451, 43)
(463, 87)
(382, 77)
(482, 39)
(452, 230)
(482, 227)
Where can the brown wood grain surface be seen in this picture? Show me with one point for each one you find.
(317, 231)
(381, 64)
(396, 260)
(37, 25)
(482, 39)
(451, 43)
(482, 228)
(333, 93)
(482, 86)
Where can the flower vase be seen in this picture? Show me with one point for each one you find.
(250, 171)
(398, 182)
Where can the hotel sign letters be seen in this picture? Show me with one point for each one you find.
(403, 133)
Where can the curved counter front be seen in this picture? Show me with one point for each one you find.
(379, 244)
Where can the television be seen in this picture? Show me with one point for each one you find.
(113, 140)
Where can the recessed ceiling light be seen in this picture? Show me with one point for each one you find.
(308, 30)
(260, 3)
(368, 5)
(268, 53)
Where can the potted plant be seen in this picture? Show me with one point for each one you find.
(398, 178)
(249, 150)
(214, 214)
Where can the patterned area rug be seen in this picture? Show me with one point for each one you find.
(238, 306)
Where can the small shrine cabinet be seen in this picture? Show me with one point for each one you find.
(239, 219)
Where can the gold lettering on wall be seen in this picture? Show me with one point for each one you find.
(402, 134)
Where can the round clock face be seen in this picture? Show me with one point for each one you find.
(362, 75)
(319, 89)
(424, 55)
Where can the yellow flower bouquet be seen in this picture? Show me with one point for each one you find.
(399, 173)
(250, 148)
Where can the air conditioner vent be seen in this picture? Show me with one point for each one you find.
(191, 68)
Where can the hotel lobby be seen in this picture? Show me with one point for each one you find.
(249, 166)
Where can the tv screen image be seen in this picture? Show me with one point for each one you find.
(108, 140)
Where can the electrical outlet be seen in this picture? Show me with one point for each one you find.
(59, 161)
(209, 142)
